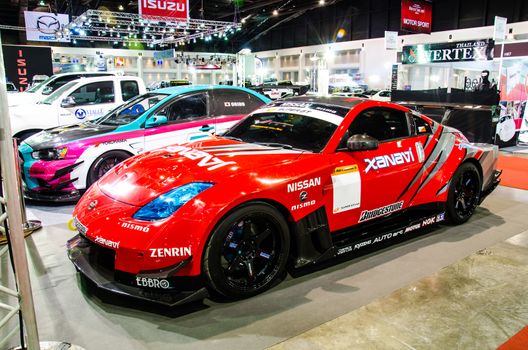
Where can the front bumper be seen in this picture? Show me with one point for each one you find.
(44, 195)
(96, 263)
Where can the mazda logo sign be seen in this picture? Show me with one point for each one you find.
(48, 24)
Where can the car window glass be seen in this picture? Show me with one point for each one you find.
(284, 130)
(57, 83)
(94, 93)
(58, 93)
(422, 127)
(234, 102)
(382, 124)
(187, 108)
(385, 94)
(131, 110)
(129, 89)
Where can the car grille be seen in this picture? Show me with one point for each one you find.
(80, 227)
(101, 257)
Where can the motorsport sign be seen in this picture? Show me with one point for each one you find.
(176, 9)
(416, 16)
(472, 50)
(42, 26)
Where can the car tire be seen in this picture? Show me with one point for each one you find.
(247, 251)
(464, 194)
(103, 164)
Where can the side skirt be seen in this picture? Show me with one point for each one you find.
(313, 243)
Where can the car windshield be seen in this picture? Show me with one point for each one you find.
(285, 130)
(131, 110)
(37, 87)
(57, 94)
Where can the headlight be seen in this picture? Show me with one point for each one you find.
(50, 154)
(166, 204)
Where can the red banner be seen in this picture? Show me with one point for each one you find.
(176, 9)
(416, 16)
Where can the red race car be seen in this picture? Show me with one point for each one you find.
(296, 182)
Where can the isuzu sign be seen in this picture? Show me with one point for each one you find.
(177, 9)
(474, 50)
(416, 16)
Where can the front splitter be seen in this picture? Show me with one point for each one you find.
(104, 280)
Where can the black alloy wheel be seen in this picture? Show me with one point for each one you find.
(103, 164)
(247, 252)
(464, 194)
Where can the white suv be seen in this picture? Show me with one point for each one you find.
(47, 87)
(74, 102)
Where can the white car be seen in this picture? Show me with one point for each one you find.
(76, 101)
(382, 95)
(40, 91)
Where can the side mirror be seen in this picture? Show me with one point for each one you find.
(68, 102)
(362, 143)
(156, 120)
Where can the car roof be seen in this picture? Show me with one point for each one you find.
(178, 90)
(105, 78)
(340, 101)
(88, 73)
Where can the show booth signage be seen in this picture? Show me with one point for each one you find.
(472, 50)
(416, 16)
(175, 9)
(23, 62)
(43, 26)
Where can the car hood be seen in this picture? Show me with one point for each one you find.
(140, 179)
(65, 134)
(22, 98)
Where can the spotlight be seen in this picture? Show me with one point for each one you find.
(321, 2)
(121, 8)
(275, 13)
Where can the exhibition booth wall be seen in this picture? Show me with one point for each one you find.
(369, 61)
(151, 65)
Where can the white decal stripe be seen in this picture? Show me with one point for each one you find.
(235, 146)
(232, 154)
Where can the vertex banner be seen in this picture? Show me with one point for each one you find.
(470, 50)
(416, 16)
(42, 26)
(176, 9)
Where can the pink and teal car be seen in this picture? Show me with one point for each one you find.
(58, 164)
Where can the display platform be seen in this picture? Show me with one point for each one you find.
(68, 312)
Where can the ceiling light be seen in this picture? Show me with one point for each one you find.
(275, 13)
(321, 2)
(121, 8)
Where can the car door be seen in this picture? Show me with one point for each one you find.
(89, 101)
(188, 119)
(369, 184)
(128, 89)
(230, 106)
